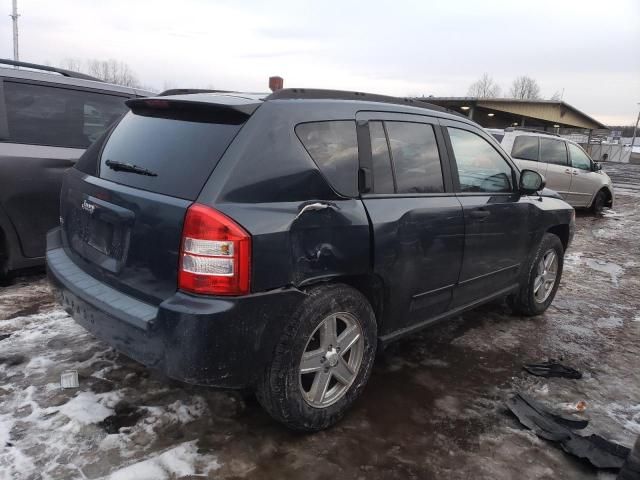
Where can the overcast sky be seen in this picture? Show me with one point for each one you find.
(589, 49)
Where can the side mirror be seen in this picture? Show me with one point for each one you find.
(531, 182)
(596, 167)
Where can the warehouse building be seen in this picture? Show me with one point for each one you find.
(547, 115)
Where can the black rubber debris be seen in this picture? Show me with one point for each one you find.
(552, 368)
(550, 426)
(125, 415)
(4, 336)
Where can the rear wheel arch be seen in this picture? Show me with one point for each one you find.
(369, 285)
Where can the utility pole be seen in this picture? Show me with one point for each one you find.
(14, 16)
(635, 129)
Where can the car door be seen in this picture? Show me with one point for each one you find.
(416, 219)
(584, 181)
(49, 127)
(553, 152)
(496, 220)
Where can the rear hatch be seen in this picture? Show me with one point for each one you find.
(123, 206)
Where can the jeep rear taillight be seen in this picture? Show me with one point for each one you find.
(215, 255)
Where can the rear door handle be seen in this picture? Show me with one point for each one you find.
(479, 213)
(568, 170)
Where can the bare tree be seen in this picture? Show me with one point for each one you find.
(112, 71)
(72, 64)
(484, 88)
(525, 88)
(557, 96)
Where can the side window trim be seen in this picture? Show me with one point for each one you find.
(364, 147)
(393, 165)
(515, 171)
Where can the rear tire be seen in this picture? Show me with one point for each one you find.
(537, 292)
(313, 393)
(599, 202)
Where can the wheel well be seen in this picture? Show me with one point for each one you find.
(609, 201)
(562, 232)
(371, 286)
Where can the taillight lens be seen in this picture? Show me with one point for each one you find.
(215, 255)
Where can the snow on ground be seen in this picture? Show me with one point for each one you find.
(49, 433)
(434, 407)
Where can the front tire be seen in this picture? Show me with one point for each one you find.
(322, 361)
(599, 202)
(541, 278)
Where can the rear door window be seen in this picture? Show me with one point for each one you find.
(415, 157)
(333, 146)
(382, 173)
(61, 117)
(525, 147)
(553, 151)
(179, 155)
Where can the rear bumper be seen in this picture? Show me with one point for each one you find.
(222, 342)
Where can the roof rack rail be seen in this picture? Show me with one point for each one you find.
(532, 130)
(46, 68)
(321, 94)
(187, 91)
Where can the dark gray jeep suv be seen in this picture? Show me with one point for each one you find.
(275, 242)
(48, 117)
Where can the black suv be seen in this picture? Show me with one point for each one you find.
(275, 242)
(48, 117)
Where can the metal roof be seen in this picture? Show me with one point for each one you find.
(524, 103)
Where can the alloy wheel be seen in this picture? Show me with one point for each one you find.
(546, 276)
(331, 360)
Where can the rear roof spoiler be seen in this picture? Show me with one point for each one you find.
(186, 91)
(225, 109)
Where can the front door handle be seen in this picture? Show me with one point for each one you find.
(568, 170)
(481, 213)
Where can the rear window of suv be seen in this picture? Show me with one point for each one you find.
(181, 154)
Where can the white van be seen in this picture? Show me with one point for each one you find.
(567, 168)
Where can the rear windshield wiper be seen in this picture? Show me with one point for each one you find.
(127, 167)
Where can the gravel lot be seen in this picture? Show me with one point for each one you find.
(434, 407)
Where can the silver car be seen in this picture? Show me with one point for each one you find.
(567, 168)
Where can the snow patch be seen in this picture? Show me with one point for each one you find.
(178, 462)
(613, 269)
(627, 415)
(85, 408)
(610, 322)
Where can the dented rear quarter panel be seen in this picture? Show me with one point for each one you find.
(264, 182)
